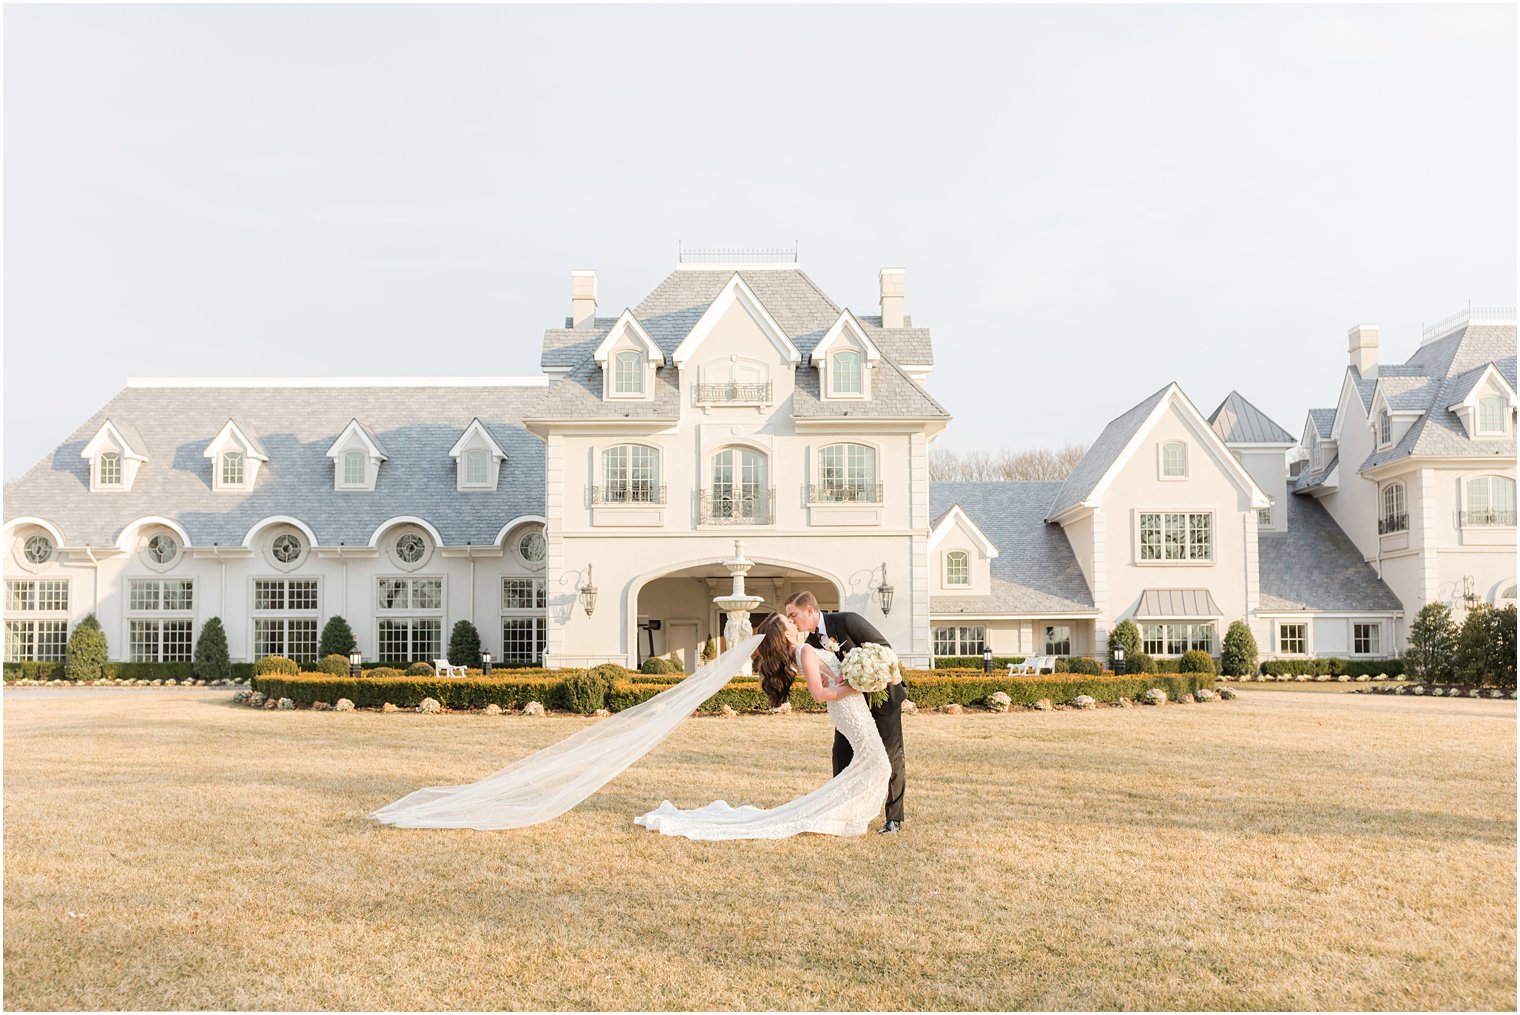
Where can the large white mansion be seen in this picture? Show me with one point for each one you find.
(581, 515)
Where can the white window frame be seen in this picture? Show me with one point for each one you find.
(473, 459)
(159, 618)
(1493, 481)
(119, 479)
(1375, 641)
(1161, 461)
(961, 639)
(1484, 431)
(349, 482)
(1188, 560)
(1384, 429)
(1054, 636)
(411, 614)
(836, 374)
(23, 612)
(516, 614)
(870, 469)
(229, 460)
(635, 483)
(284, 615)
(620, 360)
(1394, 495)
(1307, 648)
(957, 563)
(1170, 638)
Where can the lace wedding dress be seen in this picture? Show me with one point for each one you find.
(845, 805)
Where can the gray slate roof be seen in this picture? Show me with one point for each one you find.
(1102, 455)
(1167, 603)
(1315, 566)
(1237, 421)
(1035, 570)
(1307, 480)
(297, 426)
(1323, 420)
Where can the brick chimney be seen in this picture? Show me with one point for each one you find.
(583, 299)
(891, 297)
(1362, 346)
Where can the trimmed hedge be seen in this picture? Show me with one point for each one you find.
(974, 662)
(1333, 667)
(276, 664)
(33, 670)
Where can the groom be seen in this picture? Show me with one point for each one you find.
(851, 630)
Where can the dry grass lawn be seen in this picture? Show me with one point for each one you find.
(165, 849)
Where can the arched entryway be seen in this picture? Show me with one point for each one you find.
(674, 615)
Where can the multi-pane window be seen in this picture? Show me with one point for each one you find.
(1175, 639)
(160, 595)
(1264, 516)
(232, 468)
(845, 373)
(285, 614)
(532, 547)
(409, 593)
(1176, 535)
(168, 636)
(30, 637)
(628, 373)
(847, 472)
(1292, 639)
(738, 484)
(475, 470)
(163, 548)
(409, 638)
(630, 474)
(524, 628)
(960, 641)
(110, 469)
(1395, 516)
(37, 595)
(1490, 501)
(522, 594)
(286, 548)
(353, 468)
(1366, 639)
(1385, 429)
(1058, 640)
(957, 568)
(160, 641)
(1173, 460)
(1491, 414)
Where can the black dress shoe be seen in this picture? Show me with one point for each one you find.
(890, 828)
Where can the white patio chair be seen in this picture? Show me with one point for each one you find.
(1031, 666)
(443, 669)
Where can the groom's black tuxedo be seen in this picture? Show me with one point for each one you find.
(852, 630)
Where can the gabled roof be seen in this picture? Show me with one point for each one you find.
(627, 324)
(1035, 570)
(1323, 420)
(476, 427)
(894, 395)
(735, 292)
(1315, 566)
(365, 435)
(578, 396)
(1464, 384)
(1237, 421)
(245, 435)
(846, 324)
(123, 434)
(949, 518)
(1306, 481)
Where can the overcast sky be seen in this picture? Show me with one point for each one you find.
(1089, 201)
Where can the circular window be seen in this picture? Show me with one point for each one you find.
(162, 549)
(532, 547)
(410, 548)
(286, 548)
(38, 549)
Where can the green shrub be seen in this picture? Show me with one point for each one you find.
(1506, 648)
(1431, 654)
(1238, 656)
(1061, 665)
(211, 659)
(610, 672)
(333, 663)
(337, 638)
(275, 664)
(583, 693)
(1140, 663)
(1197, 661)
(85, 654)
(385, 671)
(1480, 656)
(654, 665)
(420, 670)
(1333, 667)
(1124, 634)
(464, 645)
(710, 650)
(1084, 665)
(974, 662)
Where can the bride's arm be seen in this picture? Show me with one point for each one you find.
(812, 671)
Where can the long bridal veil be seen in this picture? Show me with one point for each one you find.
(549, 783)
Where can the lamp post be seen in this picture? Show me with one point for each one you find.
(485, 663)
(987, 659)
(1119, 660)
(354, 661)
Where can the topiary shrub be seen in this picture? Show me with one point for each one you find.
(1084, 665)
(1061, 665)
(655, 665)
(85, 656)
(1238, 656)
(609, 672)
(420, 670)
(334, 663)
(275, 665)
(1125, 634)
(1432, 643)
(337, 638)
(1480, 653)
(1139, 663)
(710, 650)
(383, 671)
(584, 693)
(211, 659)
(464, 645)
(1196, 660)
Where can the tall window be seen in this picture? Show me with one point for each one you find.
(960, 641)
(1366, 639)
(1395, 516)
(1058, 640)
(1264, 516)
(1490, 501)
(957, 568)
(475, 470)
(739, 489)
(1173, 460)
(847, 472)
(232, 468)
(110, 469)
(410, 628)
(285, 615)
(1175, 639)
(1292, 639)
(29, 632)
(1491, 414)
(628, 373)
(630, 475)
(1176, 536)
(160, 621)
(844, 373)
(524, 628)
(1385, 429)
(353, 468)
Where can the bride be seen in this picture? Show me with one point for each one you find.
(846, 803)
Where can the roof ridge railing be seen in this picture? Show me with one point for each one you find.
(1469, 315)
(715, 255)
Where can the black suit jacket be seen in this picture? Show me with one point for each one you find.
(851, 630)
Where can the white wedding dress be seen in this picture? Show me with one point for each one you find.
(845, 805)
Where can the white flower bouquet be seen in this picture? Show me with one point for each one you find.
(871, 669)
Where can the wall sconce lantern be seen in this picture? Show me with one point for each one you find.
(485, 663)
(588, 594)
(883, 592)
(354, 661)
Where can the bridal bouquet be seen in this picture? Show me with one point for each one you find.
(871, 669)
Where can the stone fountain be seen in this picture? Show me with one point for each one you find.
(738, 603)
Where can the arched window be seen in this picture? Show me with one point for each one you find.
(1385, 429)
(739, 489)
(847, 472)
(1506, 596)
(630, 475)
(628, 373)
(353, 468)
(232, 468)
(1490, 500)
(844, 373)
(1395, 515)
(957, 568)
(110, 469)
(1173, 460)
(475, 470)
(1491, 414)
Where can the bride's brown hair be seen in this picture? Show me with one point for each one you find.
(776, 659)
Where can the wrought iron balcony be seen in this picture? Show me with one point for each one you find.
(1489, 516)
(628, 493)
(1392, 523)
(709, 394)
(845, 493)
(728, 508)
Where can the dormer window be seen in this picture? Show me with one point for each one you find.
(356, 456)
(115, 454)
(1491, 415)
(353, 468)
(475, 466)
(845, 357)
(1385, 429)
(957, 568)
(628, 373)
(478, 459)
(1174, 460)
(109, 469)
(628, 358)
(232, 468)
(845, 372)
(236, 454)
